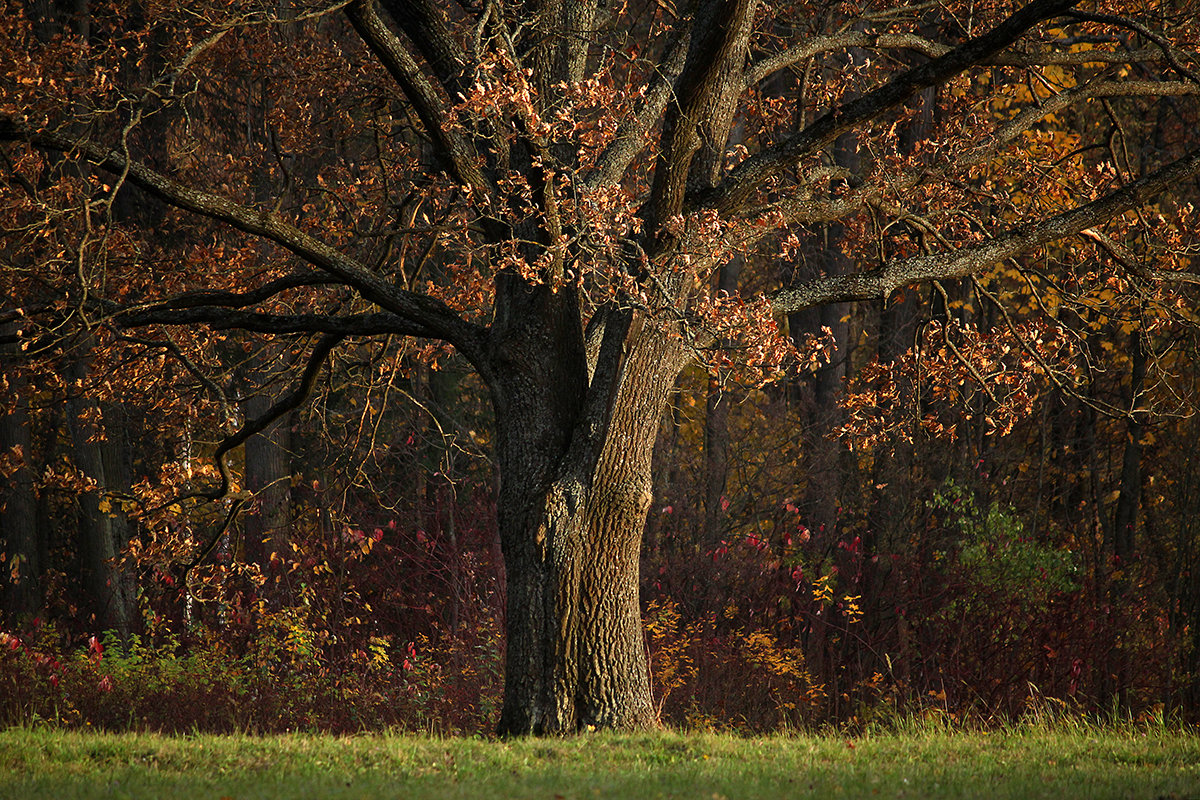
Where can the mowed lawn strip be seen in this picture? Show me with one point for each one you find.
(1082, 763)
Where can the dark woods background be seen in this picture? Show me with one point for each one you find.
(788, 578)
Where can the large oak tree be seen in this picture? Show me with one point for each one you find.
(550, 188)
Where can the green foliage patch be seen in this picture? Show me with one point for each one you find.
(997, 555)
(1060, 762)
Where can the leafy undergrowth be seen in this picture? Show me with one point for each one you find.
(1058, 762)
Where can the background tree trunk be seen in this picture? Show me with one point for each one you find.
(716, 439)
(101, 452)
(20, 573)
(268, 472)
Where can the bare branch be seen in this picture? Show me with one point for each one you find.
(221, 318)
(308, 380)
(243, 299)
(768, 66)
(429, 313)
(841, 41)
(1164, 46)
(630, 136)
(391, 52)
(1133, 264)
(881, 282)
(744, 180)
(1051, 374)
(218, 394)
(1058, 102)
(809, 209)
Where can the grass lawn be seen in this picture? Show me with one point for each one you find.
(1073, 763)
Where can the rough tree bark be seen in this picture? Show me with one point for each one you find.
(571, 543)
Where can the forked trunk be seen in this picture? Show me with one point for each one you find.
(572, 534)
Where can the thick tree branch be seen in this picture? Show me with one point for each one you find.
(631, 135)
(814, 208)
(250, 298)
(748, 177)
(1133, 264)
(422, 23)
(308, 380)
(222, 318)
(714, 38)
(391, 52)
(880, 283)
(768, 66)
(812, 205)
(1058, 102)
(429, 313)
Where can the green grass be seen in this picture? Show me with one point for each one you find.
(1079, 762)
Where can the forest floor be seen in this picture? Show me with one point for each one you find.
(1075, 762)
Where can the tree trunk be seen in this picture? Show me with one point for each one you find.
(20, 572)
(571, 531)
(1130, 488)
(716, 439)
(268, 477)
(1123, 528)
(100, 451)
